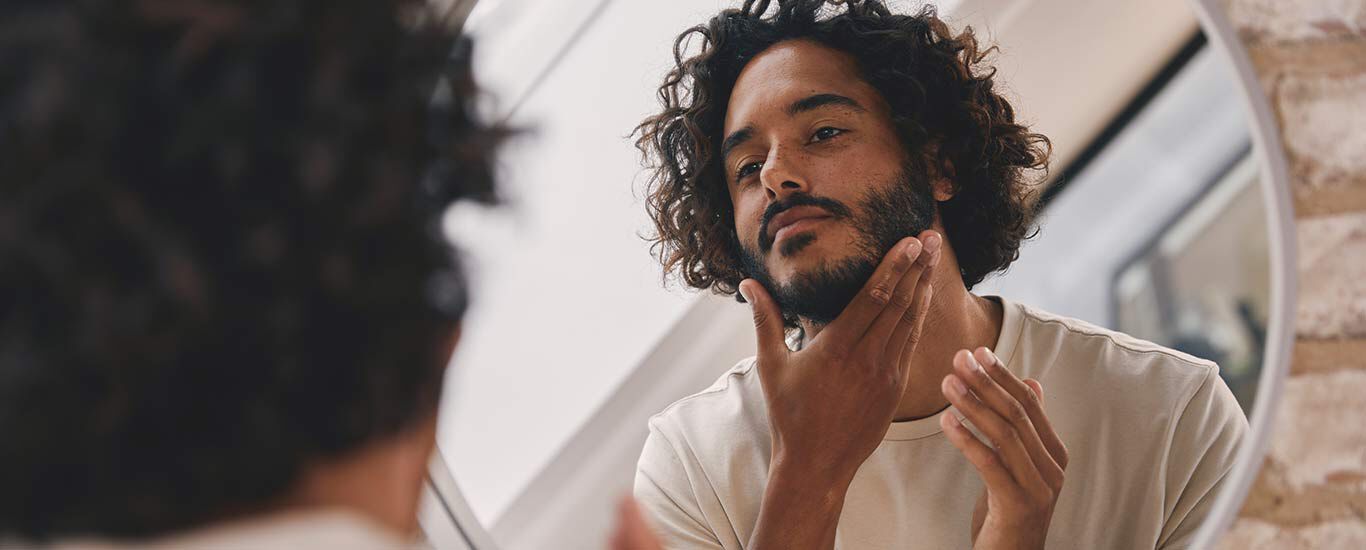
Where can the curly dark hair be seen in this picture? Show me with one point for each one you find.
(219, 252)
(945, 107)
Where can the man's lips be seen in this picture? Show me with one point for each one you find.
(795, 219)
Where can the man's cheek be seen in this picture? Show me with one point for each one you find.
(749, 235)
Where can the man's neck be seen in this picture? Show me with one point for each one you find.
(957, 319)
(381, 481)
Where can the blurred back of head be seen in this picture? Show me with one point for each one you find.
(219, 252)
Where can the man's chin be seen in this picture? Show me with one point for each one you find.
(807, 264)
(820, 291)
(793, 246)
(814, 280)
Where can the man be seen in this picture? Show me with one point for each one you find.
(852, 173)
(225, 309)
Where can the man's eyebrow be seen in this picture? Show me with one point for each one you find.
(821, 100)
(735, 139)
(738, 137)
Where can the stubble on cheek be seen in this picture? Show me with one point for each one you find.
(792, 245)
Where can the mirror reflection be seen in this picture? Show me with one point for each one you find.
(1143, 263)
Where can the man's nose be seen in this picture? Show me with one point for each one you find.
(782, 176)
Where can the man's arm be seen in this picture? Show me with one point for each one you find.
(801, 509)
(822, 429)
(1208, 433)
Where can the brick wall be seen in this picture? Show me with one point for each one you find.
(1310, 56)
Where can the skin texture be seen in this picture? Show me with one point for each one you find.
(381, 481)
(895, 344)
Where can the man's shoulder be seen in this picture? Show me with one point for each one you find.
(734, 400)
(1153, 395)
(1126, 372)
(1077, 337)
(721, 430)
(705, 462)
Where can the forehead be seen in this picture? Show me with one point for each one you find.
(792, 70)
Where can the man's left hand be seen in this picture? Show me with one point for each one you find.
(1023, 465)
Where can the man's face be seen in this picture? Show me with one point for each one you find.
(818, 177)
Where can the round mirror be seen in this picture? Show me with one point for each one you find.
(1161, 250)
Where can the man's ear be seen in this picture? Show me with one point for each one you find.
(942, 186)
(943, 189)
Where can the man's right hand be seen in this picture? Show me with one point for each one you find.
(831, 403)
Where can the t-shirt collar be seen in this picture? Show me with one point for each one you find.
(1005, 347)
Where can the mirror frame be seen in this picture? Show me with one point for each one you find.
(1280, 227)
(449, 523)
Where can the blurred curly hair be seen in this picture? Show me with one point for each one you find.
(947, 112)
(219, 251)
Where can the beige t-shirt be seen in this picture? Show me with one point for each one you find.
(1151, 434)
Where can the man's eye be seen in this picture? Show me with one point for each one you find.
(825, 133)
(747, 169)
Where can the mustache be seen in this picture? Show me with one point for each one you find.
(835, 208)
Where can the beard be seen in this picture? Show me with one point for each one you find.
(888, 213)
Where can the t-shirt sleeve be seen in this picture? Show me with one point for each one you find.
(1205, 442)
(665, 493)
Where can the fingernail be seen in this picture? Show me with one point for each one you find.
(956, 386)
(952, 420)
(988, 358)
(913, 250)
(972, 362)
(745, 293)
(932, 242)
